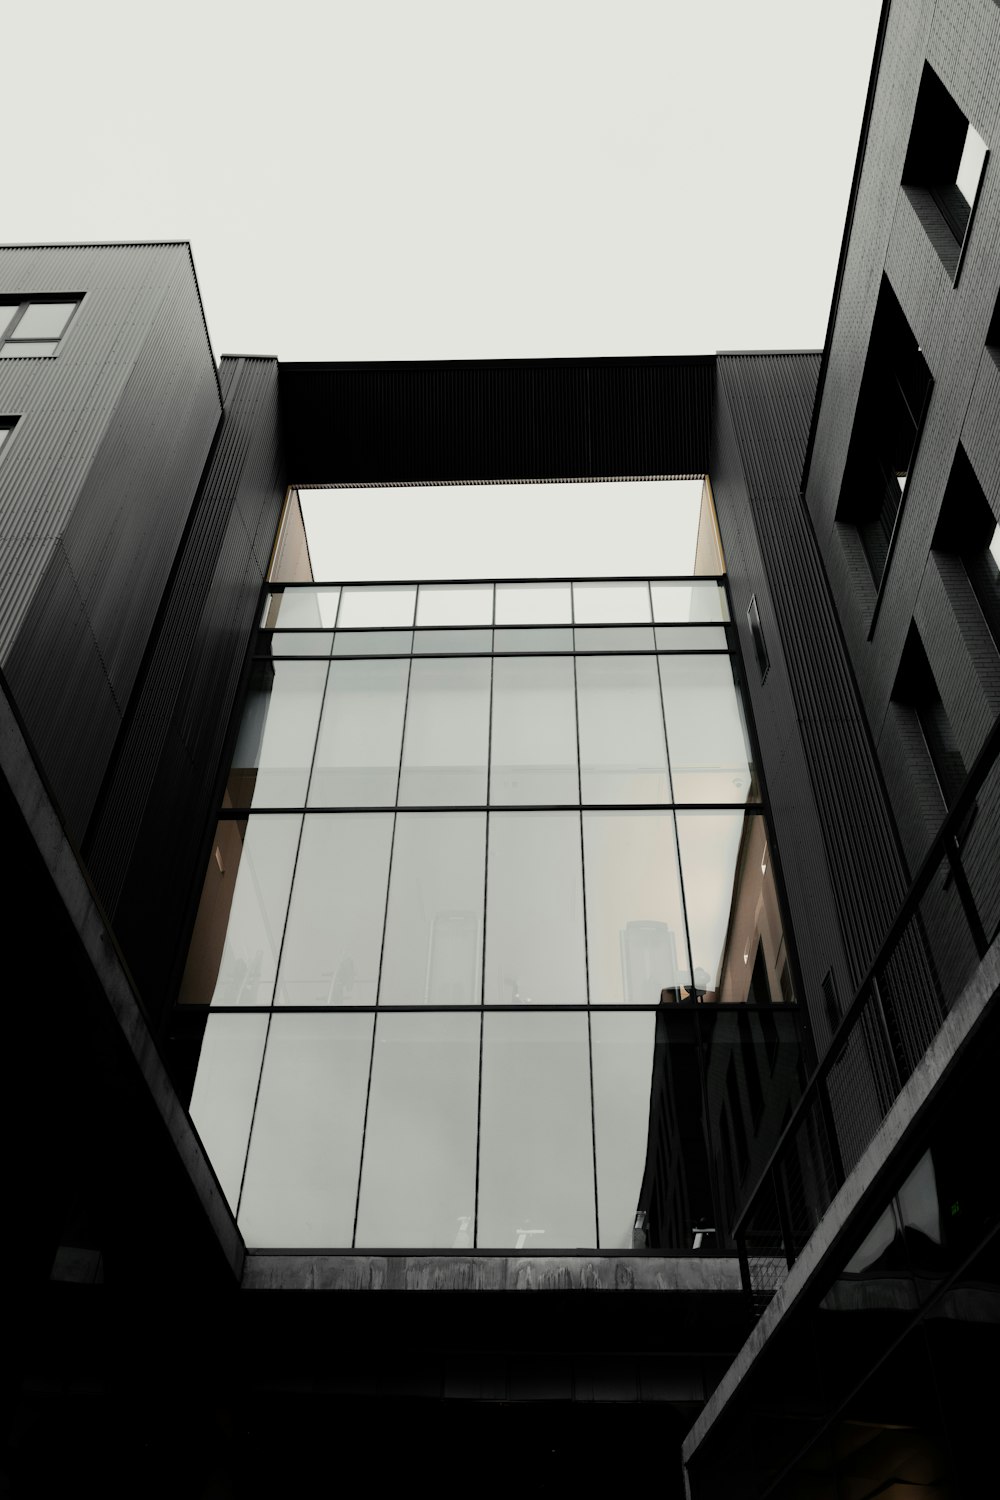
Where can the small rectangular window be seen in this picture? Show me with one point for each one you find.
(33, 328)
(6, 428)
(757, 636)
(943, 173)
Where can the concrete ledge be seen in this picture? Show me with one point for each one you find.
(271, 1271)
(868, 1179)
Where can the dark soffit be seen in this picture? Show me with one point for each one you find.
(497, 419)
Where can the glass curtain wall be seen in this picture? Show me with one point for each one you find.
(481, 846)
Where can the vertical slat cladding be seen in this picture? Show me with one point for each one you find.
(769, 398)
(95, 487)
(162, 783)
(490, 420)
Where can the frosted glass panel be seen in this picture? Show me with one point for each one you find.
(534, 604)
(418, 1179)
(305, 1151)
(610, 603)
(533, 756)
(377, 608)
(301, 643)
(688, 603)
(711, 845)
(623, 756)
(305, 608)
(251, 866)
(623, 1051)
(433, 936)
(447, 732)
(455, 604)
(709, 753)
(357, 753)
(274, 748)
(534, 910)
(225, 1089)
(334, 935)
(45, 320)
(636, 947)
(536, 1163)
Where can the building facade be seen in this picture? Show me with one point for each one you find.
(657, 1131)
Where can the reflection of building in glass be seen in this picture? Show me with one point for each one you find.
(469, 891)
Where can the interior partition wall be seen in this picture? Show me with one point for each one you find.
(490, 935)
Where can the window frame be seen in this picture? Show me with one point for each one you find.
(21, 306)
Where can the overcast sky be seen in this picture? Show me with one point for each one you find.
(419, 179)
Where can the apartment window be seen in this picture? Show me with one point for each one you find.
(968, 530)
(33, 329)
(944, 169)
(895, 390)
(6, 428)
(917, 691)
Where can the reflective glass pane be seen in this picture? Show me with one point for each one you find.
(434, 926)
(713, 866)
(303, 608)
(690, 638)
(450, 642)
(534, 910)
(610, 603)
(274, 748)
(455, 604)
(301, 642)
(372, 642)
(234, 952)
(553, 638)
(301, 1180)
(636, 947)
(357, 752)
(27, 350)
(623, 755)
(367, 608)
(45, 320)
(623, 1049)
(533, 753)
(709, 753)
(225, 1088)
(687, 603)
(418, 1180)
(334, 934)
(447, 732)
(534, 604)
(614, 638)
(536, 1164)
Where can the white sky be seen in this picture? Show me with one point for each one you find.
(419, 179)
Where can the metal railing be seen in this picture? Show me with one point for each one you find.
(942, 930)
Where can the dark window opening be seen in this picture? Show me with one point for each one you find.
(968, 530)
(916, 689)
(993, 332)
(944, 169)
(750, 1054)
(735, 1110)
(757, 636)
(831, 1000)
(892, 403)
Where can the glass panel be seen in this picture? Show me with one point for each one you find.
(687, 603)
(970, 168)
(4, 434)
(534, 910)
(433, 937)
(382, 608)
(716, 868)
(534, 604)
(553, 639)
(334, 935)
(623, 755)
(45, 320)
(306, 607)
(709, 753)
(455, 604)
(610, 603)
(450, 642)
(533, 755)
(636, 948)
(447, 732)
(357, 752)
(536, 1165)
(691, 638)
(225, 1089)
(7, 314)
(274, 748)
(372, 642)
(300, 642)
(305, 1151)
(614, 638)
(623, 1050)
(241, 918)
(418, 1181)
(27, 350)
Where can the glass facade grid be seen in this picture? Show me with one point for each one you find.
(471, 881)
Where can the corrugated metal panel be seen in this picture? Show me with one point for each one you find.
(531, 419)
